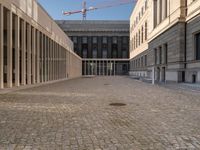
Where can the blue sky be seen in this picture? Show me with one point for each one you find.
(55, 8)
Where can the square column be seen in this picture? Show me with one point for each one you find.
(114, 68)
(17, 51)
(53, 73)
(45, 59)
(1, 48)
(42, 58)
(99, 68)
(29, 55)
(23, 74)
(33, 55)
(38, 56)
(9, 49)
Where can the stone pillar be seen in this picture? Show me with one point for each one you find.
(1, 48)
(9, 49)
(103, 69)
(99, 67)
(107, 67)
(96, 68)
(33, 55)
(88, 67)
(38, 56)
(45, 58)
(114, 68)
(42, 58)
(48, 58)
(111, 68)
(17, 51)
(52, 61)
(23, 74)
(51, 66)
(29, 55)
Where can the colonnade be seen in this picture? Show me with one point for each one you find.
(29, 55)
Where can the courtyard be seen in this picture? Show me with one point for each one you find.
(77, 115)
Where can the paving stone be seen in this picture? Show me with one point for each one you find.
(76, 115)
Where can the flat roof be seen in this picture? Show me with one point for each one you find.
(94, 25)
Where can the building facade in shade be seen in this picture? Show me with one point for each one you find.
(103, 45)
(165, 40)
(33, 49)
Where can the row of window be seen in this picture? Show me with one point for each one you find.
(160, 11)
(140, 37)
(84, 40)
(104, 53)
(140, 14)
(139, 62)
(161, 54)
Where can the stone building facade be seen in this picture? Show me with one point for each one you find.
(33, 49)
(103, 45)
(171, 53)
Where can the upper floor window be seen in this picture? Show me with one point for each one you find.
(145, 60)
(197, 42)
(104, 40)
(94, 40)
(142, 10)
(94, 53)
(75, 39)
(124, 54)
(142, 40)
(114, 40)
(146, 5)
(84, 53)
(124, 40)
(84, 40)
(146, 30)
(105, 53)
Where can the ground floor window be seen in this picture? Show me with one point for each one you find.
(197, 37)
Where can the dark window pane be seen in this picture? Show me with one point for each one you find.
(198, 46)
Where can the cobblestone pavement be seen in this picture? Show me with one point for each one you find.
(76, 115)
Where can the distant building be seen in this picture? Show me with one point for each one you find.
(103, 45)
(33, 49)
(165, 40)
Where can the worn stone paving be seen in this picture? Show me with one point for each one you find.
(76, 115)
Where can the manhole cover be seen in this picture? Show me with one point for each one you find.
(117, 104)
(106, 84)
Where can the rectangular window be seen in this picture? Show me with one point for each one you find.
(105, 53)
(84, 53)
(166, 53)
(160, 55)
(104, 40)
(124, 40)
(84, 40)
(75, 39)
(114, 40)
(94, 40)
(197, 37)
(146, 30)
(155, 54)
(94, 53)
(145, 60)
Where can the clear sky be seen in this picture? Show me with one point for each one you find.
(55, 8)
